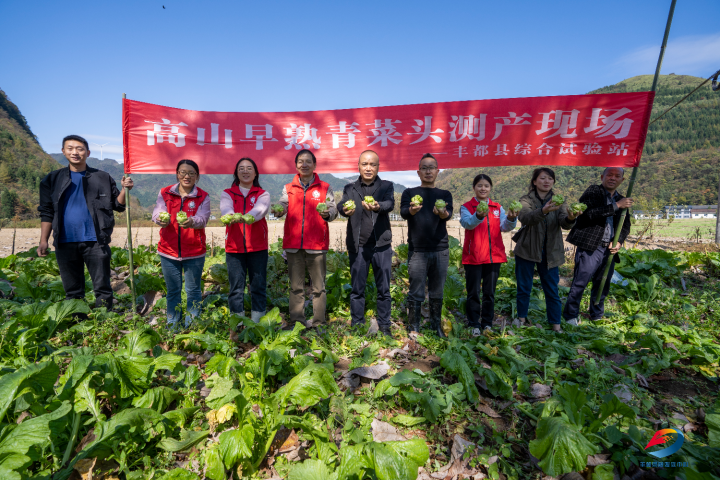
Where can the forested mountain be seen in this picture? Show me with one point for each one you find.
(681, 159)
(22, 163)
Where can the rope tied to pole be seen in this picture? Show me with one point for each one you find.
(715, 87)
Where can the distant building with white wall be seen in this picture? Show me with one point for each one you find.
(686, 212)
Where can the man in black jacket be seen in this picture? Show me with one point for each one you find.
(369, 238)
(76, 204)
(593, 235)
(429, 253)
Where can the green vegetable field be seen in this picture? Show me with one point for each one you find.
(91, 393)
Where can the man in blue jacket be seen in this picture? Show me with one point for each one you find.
(76, 205)
(369, 238)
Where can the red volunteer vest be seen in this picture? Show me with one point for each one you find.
(190, 242)
(304, 227)
(241, 237)
(484, 243)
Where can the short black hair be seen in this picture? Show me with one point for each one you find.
(428, 155)
(481, 176)
(256, 180)
(77, 138)
(622, 170)
(186, 161)
(304, 150)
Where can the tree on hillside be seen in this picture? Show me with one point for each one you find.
(8, 202)
(5, 177)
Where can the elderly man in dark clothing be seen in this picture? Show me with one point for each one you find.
(369, 238)
(593, 235)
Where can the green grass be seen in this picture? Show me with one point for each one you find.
(680, 228)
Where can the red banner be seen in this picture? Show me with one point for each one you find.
(582, 130)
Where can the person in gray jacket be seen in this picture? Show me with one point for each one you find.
(369, 238)
(540, 245)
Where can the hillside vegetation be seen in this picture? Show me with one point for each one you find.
(681, 159)
(23, 162)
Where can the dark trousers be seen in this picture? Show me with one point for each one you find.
(381, 261)
(549, 278)
(73, 257)
(589, 267)
(430, 268)
(240, 266)
(476, 277)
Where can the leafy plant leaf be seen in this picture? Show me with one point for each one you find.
(453, 362)
(308, 387)
(158, 399)
(188, 438)
(236, 445)
(38, 378)
(560, 447)
(35, 432)
(311, 470)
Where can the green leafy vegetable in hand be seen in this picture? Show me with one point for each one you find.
(483, 207)
(164, 216)
(226, 219)
(277, 209)
(417, 200)
(349, 205)
(440, 204)
(369, 200)
(238, 217)
(181, 217)
(321, 207)
(249, 219)
(558, 199)
(578, 207)
(515, 206)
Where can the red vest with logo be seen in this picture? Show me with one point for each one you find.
(241, 237)
(484, 243)
(182, 242)
(304, 227)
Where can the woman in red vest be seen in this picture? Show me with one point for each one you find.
(246, 243)
(483, 252)
(182, 243)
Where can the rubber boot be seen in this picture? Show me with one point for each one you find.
(436, 305)
(414, 316)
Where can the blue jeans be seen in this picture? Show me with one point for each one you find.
(549, 278)
(173, 273)
(241, 266)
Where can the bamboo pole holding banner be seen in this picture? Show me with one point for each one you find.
(129, 233)
(623, 212)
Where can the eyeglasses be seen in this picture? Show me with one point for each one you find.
(428, 168)
(186, 174)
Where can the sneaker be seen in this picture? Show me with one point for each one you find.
(476, 332)
(556, 328)
(573, 321)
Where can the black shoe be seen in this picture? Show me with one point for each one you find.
(436, 305)
(414, 316)
(385, 330)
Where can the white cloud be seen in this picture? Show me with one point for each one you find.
(689, 55)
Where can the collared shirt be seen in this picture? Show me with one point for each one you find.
(367, 236)
(609, 221)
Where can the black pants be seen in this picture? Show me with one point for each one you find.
(72, 257)
(475, 275)
(381, 261)
(240, 267)
(589, 267)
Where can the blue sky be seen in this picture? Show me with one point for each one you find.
(66, 64)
